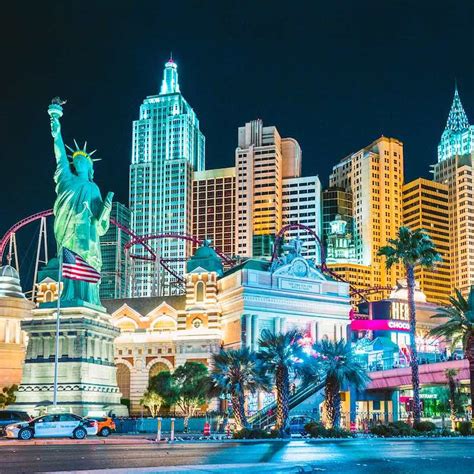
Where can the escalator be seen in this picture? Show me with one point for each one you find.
(267, 415)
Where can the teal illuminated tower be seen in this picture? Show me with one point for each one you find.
(167, 147)
(455, 168)
(458, 136)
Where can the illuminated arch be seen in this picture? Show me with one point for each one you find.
(159, 360)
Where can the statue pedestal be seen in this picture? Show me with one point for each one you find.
(87, 374)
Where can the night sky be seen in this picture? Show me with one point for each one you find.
(333, 75)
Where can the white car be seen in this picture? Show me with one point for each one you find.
(54, 425)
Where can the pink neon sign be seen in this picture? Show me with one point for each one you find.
(380, 325)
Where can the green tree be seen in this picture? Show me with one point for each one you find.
(161, 386)
(7, 396)
(452, 386)
(339, 367)
(237, 372)
(192, 387)
(411, 248)
(458, 327)
(281, 354)
(153, 401)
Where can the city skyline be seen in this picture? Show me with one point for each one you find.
(344, 109)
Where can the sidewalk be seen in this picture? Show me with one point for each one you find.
(113, 439)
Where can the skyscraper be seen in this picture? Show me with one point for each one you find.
(336, 202)
(455, 168)
(167, 147)
(301, 203)
(425, 206)
(262, 160)
(214, 208)
(113, 284)
(374, 176)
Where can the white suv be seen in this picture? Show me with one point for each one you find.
(54, 425)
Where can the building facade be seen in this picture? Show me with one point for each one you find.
(426, 206)
(335, 202)
(301, 201)
(167, 147)
(214, 200)
(262, 160)
(14, 308)
(223, 309)
(113, 283)
(374, 177)
(455, 169)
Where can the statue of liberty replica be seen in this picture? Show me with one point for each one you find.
(69, 364)
(81, 217)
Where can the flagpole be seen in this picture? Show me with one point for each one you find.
(58, 310)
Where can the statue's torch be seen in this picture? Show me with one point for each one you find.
(55, 109)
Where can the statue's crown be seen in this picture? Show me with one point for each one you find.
(81, 152)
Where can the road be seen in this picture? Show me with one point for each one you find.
(368, 456)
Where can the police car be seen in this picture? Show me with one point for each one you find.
(54, 425)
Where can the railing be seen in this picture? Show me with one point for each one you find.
(267, 414)
(388, 363)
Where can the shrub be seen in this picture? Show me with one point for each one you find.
(397, 428)
(425, 426)
(318, 430)
(247, 433)
(465, 428)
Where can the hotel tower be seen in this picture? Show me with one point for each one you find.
(167, 148)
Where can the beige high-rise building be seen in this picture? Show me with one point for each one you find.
(374, 176)
(214, 207)
(262, 160)
(455, 168)
(425, 206)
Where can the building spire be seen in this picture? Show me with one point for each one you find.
(457, 118)
(170, 84)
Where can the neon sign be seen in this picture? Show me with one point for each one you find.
(380, 325)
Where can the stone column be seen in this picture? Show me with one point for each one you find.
(254, 332)
(277, 325)
(248, 331)
(7, 331)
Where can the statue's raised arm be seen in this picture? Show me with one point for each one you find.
(55, 111)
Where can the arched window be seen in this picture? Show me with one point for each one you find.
(127, 325)
(48, 296)
(155, 369)
(123, 380)
(200, 291)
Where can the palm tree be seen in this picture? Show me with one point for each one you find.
(281, 354)
(459, 327)
(411, 248)
(236, 372)
(451, 376)
(339, 367)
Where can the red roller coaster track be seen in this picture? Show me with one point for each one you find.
(135, 240)
(143, 240)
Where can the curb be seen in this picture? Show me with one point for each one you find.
(58, 442)
(274, 468)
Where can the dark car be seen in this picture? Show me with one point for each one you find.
(7, 417)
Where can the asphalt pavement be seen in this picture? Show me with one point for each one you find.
(368, 456)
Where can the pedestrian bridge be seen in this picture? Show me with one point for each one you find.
(430, 374)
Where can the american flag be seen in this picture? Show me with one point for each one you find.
(76, 268)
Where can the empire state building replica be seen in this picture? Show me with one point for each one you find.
(167, 147)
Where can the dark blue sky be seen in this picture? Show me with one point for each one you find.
(333, 75)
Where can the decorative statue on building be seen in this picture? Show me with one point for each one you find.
(81, 216)
(293, 249)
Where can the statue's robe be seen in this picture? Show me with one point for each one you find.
(78, 224)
